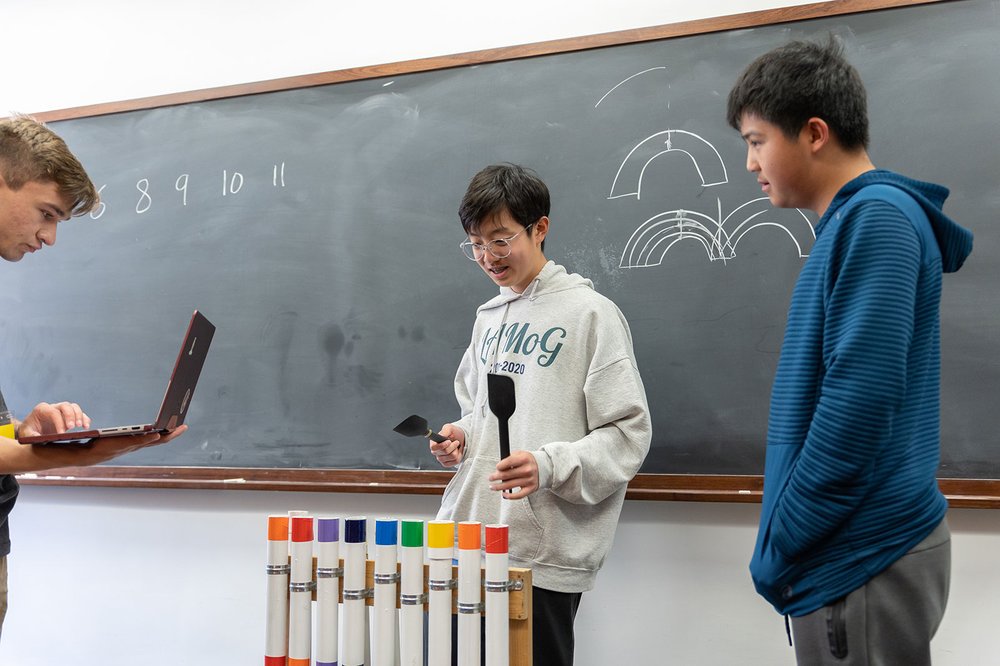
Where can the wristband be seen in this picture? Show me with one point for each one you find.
(7, 427)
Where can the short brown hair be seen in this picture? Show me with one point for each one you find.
(30, 151)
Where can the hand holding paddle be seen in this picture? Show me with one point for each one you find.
(521, 470)
(448, 449)
(502, 404)
(416, 426)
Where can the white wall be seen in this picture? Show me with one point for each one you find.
(167, 577)
(125, 576)
(62, 53)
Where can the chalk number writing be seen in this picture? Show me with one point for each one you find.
(233, 182)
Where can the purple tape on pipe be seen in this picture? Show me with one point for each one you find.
(328, 529)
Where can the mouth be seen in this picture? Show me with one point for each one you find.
(497, 271)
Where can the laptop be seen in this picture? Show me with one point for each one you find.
(176, 400)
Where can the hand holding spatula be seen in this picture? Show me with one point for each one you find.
(502, 404)
(416, 426)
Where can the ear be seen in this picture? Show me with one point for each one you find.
(816, 133)
(541, 228)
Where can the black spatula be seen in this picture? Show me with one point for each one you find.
(501, 394)
(416, 426)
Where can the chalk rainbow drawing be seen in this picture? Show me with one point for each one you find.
(651, 241)
(718, 235)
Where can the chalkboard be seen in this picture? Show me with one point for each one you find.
(316, 227)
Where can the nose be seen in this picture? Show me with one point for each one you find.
(48, 235)
(752, 165)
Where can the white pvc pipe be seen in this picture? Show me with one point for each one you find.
(469, 593)
(440, 551)
(384, 649)
(300, 591)
(411, 588)
(497, 597)
(355, 609)
(328, 575)
(276, 619)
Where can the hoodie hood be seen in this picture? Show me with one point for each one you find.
(551, 279)
(954, 241)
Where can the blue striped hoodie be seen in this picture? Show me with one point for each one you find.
(853, 442)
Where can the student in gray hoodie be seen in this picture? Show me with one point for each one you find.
(581, 428)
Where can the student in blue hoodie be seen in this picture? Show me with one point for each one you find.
(853, 543)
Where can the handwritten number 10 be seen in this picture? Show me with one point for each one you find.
(235, 183)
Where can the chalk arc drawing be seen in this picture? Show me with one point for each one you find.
(626, 80)
(706, 159)
(801, 233)
(651, 241)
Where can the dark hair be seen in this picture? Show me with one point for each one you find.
(799, 81)
(501, 187)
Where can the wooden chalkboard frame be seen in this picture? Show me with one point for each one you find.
(967, 493)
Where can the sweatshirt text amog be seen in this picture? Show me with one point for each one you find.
(516, 338)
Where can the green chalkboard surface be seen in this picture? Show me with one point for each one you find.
(316, 226)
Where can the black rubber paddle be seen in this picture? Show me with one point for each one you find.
(502, 404)
(416, 426)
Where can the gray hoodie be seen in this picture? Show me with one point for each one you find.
(581, 410)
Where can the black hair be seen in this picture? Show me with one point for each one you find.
(799, 81)
(501, 187)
